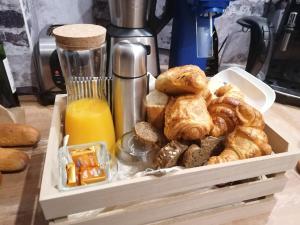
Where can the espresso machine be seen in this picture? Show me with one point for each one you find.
(135, 21)
(284, 70)
(194, 39)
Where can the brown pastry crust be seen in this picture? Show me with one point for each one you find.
(229, 90)
(243, 143)
(187, 118)
(223, 113)
(169, 154)
(189, 79)
(249, 116)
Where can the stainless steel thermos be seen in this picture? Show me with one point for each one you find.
(129, 67)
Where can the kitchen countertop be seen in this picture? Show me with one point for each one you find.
(19, 191)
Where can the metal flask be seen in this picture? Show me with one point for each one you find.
(129, 67)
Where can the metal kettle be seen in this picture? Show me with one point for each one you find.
(129, 85)
(250, 47)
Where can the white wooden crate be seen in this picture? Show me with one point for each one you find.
(171, 199)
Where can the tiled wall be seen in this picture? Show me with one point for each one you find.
(21, 21)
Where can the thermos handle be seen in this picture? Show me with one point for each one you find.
(158, 23)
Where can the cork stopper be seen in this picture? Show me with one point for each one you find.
(79, 36)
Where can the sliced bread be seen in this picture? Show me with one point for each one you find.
(156, 102)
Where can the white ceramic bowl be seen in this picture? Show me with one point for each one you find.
(257, 93)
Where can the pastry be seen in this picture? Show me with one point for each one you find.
(223, 113)
(229, 90)
(169, 154)
(12, 160)
(155, 104)
(180, 80)
(243, 143)
(196, 156)
(187, 118)
(147, 134)
(223, 109)
(249, 116)
(18, 135)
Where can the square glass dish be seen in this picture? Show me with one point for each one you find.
(101, 169)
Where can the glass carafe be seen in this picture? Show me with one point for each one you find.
(82, 54)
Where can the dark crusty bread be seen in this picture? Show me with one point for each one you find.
(169, 154)
(147, 134)
(196, 156)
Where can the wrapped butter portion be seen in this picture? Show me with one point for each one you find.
(82, 165)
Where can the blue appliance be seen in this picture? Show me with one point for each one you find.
(193, 31)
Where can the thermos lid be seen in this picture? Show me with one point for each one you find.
(79, 36)
(129, 60)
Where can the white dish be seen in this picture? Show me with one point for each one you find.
(258, 94)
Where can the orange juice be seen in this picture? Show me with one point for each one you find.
(89, 120)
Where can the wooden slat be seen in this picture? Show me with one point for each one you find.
(224, 214)
(181, 204)
(146, 188)
(57, 204)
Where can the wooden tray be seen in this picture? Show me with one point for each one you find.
(172, 199)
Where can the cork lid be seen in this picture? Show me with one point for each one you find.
(79, 36)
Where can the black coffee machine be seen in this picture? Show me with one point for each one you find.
(284, 69)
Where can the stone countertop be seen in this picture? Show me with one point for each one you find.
(19, 191)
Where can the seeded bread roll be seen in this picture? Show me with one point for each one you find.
(12, 160)
(156, 102)
(196, 156)
(169, 154)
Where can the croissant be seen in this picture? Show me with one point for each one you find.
(187, 118)
(243, 143)
(180, 80)
(223, 114)
(249, 116)
(229, 90)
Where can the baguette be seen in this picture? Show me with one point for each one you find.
(12, 160)
(18, 135)
(156, 102)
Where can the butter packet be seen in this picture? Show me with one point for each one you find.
(84, 165)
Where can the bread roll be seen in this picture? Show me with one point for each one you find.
(196, 156)
(12, 160)
(180, 80)
(168, 156)
(18, 135)
(156, 102)
(187, 118)
(147, 134)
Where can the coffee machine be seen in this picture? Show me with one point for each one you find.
(284, 70)
(136, 22)
(194, 39)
